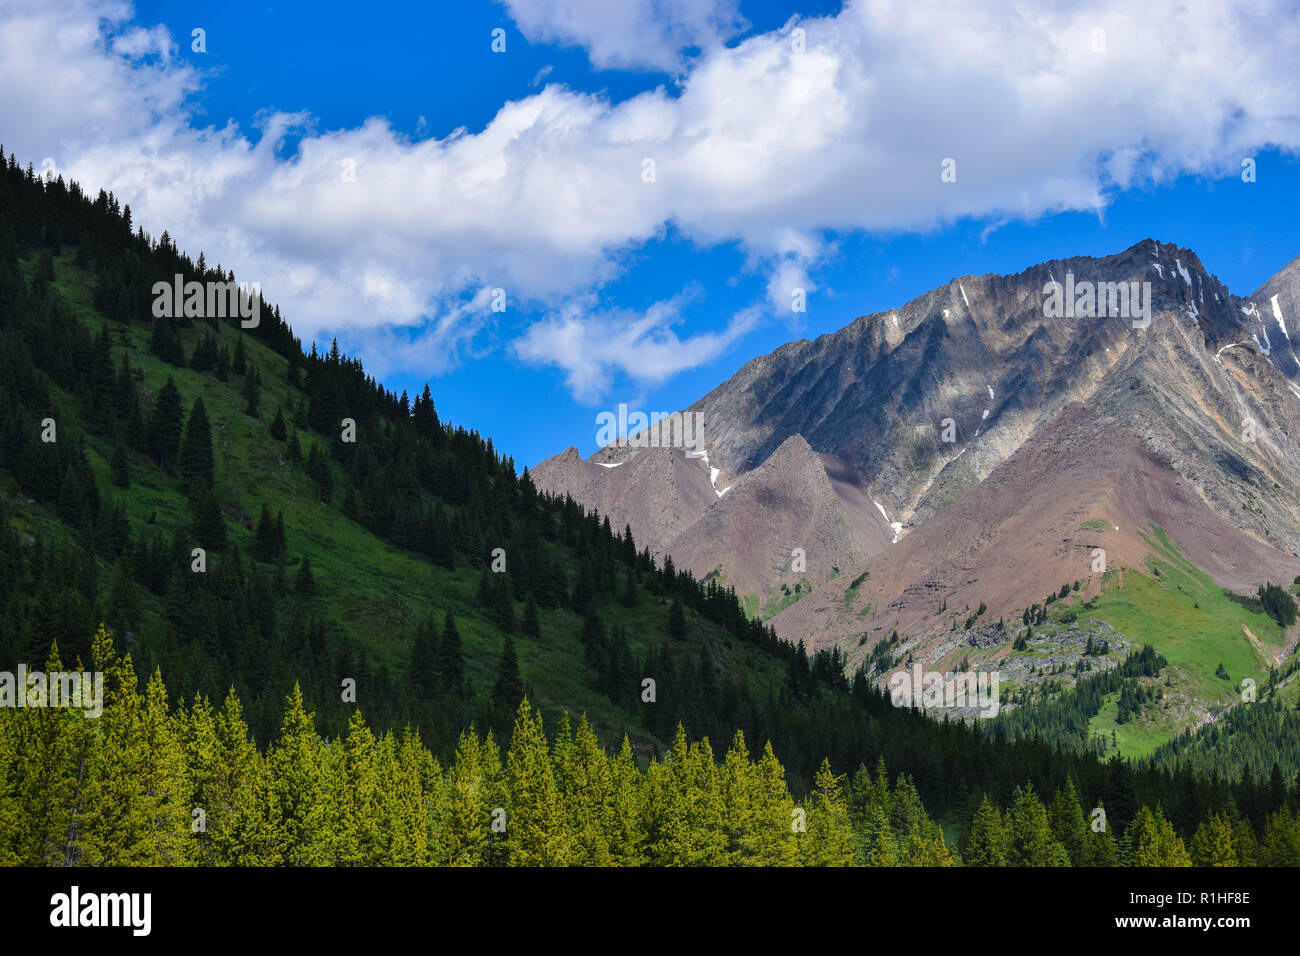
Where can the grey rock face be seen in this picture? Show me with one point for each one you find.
(904, 412)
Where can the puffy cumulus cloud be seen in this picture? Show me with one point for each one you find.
(630, 34)
(774, 144)
(70, 84)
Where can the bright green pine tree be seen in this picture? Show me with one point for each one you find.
(1032, 842)
(1281, 843)
(494, 787)
(625, 827)
(463, 833)
(1068, 824)
(1244, 842)
(1100, 848)
(738, 789)
(164, 780)
(198, 737)
(536, 825)
(354, 797)
(590, 799)
(829, 840)
(1154, 841)
(882, 850)
(298, 768)
(906, 814)
(775, 837)
(564, 757)
(432, 782)
(926, 845)
(230, 785)
(1212, 844)
(989, 842)
(684, 807)
(42, 751)
(119, 814)
(400, 811)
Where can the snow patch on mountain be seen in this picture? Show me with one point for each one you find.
(1225, 348)
(713, 472)
(1277, 314)
(896, 525)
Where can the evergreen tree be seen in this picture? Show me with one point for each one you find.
(509, 689)
(305, 583)
(209, 525)
(464, 836)
(587, 793)
(676, 621)
(196, 449)
(252, 392)
(531, 624)
(1212, 844)
(536, 829)
(988, 842)
(265, 545)
(451, 664)
(120, 466)
(164, 432)
(829, 840)
(1032, 842)
(424, 662)
(299, 768)
(1068, 825)
(1154, 842)
(1100, 849)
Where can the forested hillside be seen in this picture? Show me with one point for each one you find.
(252, 522)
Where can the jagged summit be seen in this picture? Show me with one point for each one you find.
(909, 409)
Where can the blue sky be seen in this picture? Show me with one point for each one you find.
(818, 170)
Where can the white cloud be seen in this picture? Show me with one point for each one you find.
(593, 347)
(629, 34)
(760, 145)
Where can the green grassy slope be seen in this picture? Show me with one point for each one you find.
(369, 591)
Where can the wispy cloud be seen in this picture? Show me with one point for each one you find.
(593, 347)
